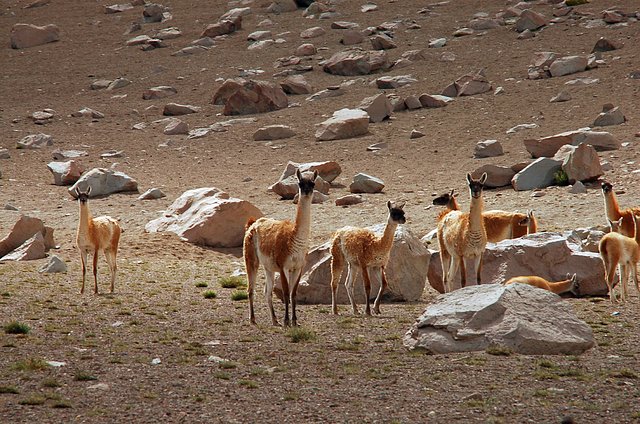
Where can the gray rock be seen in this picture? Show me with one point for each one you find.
(437, 43)
(68, 154)
(318, 197)
(406, 272)
(313, 32)
(327, 93)
(175, 109)
(577, 188)
(65, 173)
(610, 116)
(287, 188)
(351, 37)
(363, 183)
(168, 33)
(580, 163)
(416, 134)
(87, 112)
(35, 141)
(31, 249)
(390, 82)
(562, 96)
(24, 229)
(118, 83)
(345, 123)
(55, 265)
(152, 194)
(104, 182)
(497, 176)
(378, 107)
(568, 65)
(548, 146)
(273, 132)
(296, 84)
(382, 41)
(432, 101)
(606, 45)
(538, 174)
(349, 199)
(159, 92)
(117, 8)
(4, 154)
(176, 127)
(530, 20)
(206, 216)
(488, 149)
(26, 35)
(412, 102)
(328, 170)
(519, 317)
(356, 62)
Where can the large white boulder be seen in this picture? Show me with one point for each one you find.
(548, 146)
(580, 163)
(345, 123)
(524, 319)
(206, 216)
(104, 182)
(26, 35)
(538, 174)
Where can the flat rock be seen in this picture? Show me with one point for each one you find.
(497, 176)
(176, 127)
(25, 35)
(606, 45)
(175, 109)
(390, 82)
(378, 107)
(273, 132)
(488, 149)
(117, 8)
(313, 32)
(382, 41)
(87, 112)
(611, 116)
(563, 96)
(35, 141)
(548, 146)
(538, 174)
(55, 265)
(242, 97)
(364, 183)
(580, 163)
(65, 173)
(24, 229)
(223, 27)
(530, 20)
(521, 318)
(351, 37)
(306, 49)
(152, 194)
(416, 134)
(345, 123)
(168, 33)
(104, 182)
(68, 154)
(356, 62)
(296, 84)
(327, 170)
(432, 101)
(568, 65)
(206, 216)
(159, 92)
(31, 249)
(118, 83)
(349, 200)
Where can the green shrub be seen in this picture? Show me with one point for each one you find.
(232, 282)
(299, 334)
(210, 294)
(561, 178)
(202, 284)
(16, 327)
(239, 295)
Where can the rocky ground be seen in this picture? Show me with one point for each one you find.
(346, 369)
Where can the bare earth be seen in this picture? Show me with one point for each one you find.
(356, 368)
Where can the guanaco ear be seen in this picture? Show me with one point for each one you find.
(483, 179)
(298, 174)
(77, 192)
(574, 277)
(530, 213)
(88, 190)
(469, 179)
(620, 221)
(315, 174)
(451, 193)
(401, 205)
(389, 204)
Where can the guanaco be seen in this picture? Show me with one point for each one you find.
(613, 212)
(570, 284)
(623, 252)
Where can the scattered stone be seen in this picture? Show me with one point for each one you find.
(65, 173)
(168, 33)
(117, 8)
(344, 25)
(287, 188)
(356, 62)
(538, 174)
(37, 3)
(296, 84)
(469, 85)
(563, 96)
(497, 176)
(100, 84)
(55, 265)
(176, 127)
(326, 93)
(318, 197)
(345, 123)
(313, 32)
(4, 154)
(583, 81)
(152, 194)
(498, 91)
(463, 32)
(204, 42)
(104, 182)
(437, 43)
(24, 229)
(389, 82)
(488, 149)
(412, 103)
(138, 40)
(610, 116)
(42, 117)
(235, 13)
(521, 127)
(259, 36)
(349, 200)
(118, 83)
(206, 216)
(548, 146)
(159, 92)
(397, 102)
(154, 13)
(526, 34)
(10, 207)
(432, 101)
(606, 45)
(254, 97)
(273, 132)
(577, 188)
(378, 107)
(25, 35)
(306, 50)
(111, 154)
(35, 141)
(568, 65)
(32, 249)
(521, 318)
(363, 183)
(328, 170)
(406, 272)
(530, 20)
(483, 24)
(87, 112)
(369, 7)
(61, 155)
(175, 109)
(382, 41)
(225, 26)
(416, 134)
(351, 37)
(580, 163)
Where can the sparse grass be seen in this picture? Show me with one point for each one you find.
(251, 384)
(61, 404)
(571, 3)
(30, 364)
(84, 376)
(542, 393)
(291, 396)
(222, 375)
(350, 345)
(232, 282)
(202, 284)
(545, 363)
(228, 365)
(9, 389)
(624, 373)
(33, 400)
(545, 375)
(499, 350)
(51, 382)
(16, 327)
(209, 294)
(300, 334)
(239, 295)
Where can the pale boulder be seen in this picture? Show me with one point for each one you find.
(104, 182)
(356, 62)
(518, 317)
(406, 273)
(296, 84)
(548, 146)
(159, 92)
(152, 194)
(65, 173)
(306, 49)
(580, 163)
(273, 132)
(176, 127)
(32, 249)
(55, 265)
(378, 107)
(538, 174)
(488, 149)
(390, 82)
(313, 32)
(206, 216)
(610, 116)
(345, 123)
(349, 200)
(327, 170)
(497, 176)
(364, 183)
(26, 35)
(568, 65)
(35, 141)
(25, 228)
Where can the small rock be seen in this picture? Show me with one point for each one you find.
(521, 127)
(87, 112)
(273, 132)
(363, 183)
(488, 149)
(118, 83)
(176, 127)
(577, 188)
(416, 134)
(611, 116)
(563, 96)
(110, 154)
(55, 265)
(349, 199)
(35, 141)
(175, 109)
(152, 194)
(437, 43)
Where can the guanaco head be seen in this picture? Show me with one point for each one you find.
(446, 199)
(396, 212)
(306, 183)
(83, 196)
(530, 222)
(575, 286)
(476, 186)
(615, 225)
(606, 187)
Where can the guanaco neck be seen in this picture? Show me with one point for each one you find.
(303, 218)
(453, 204)
(386, 241)
(611, 206)
(476, 223)
(532, 227)
(561, 286)
(85, 217)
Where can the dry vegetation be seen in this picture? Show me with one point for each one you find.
(214, 367)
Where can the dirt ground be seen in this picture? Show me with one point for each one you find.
(348, 369)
